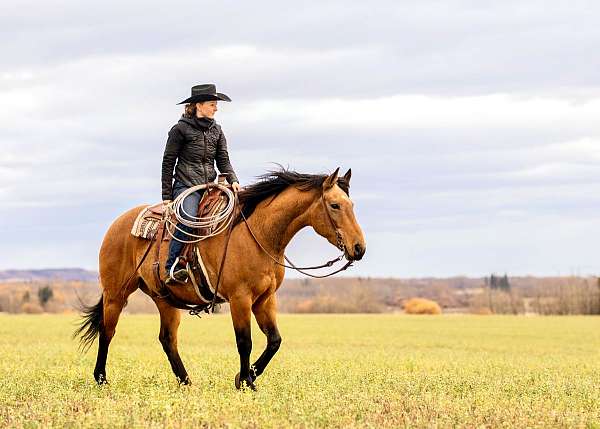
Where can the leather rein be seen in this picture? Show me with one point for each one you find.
(340, 245)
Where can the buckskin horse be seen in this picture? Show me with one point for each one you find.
(271, 211)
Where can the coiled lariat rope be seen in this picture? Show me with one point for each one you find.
(215, 223)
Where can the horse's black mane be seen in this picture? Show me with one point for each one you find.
(273, 182)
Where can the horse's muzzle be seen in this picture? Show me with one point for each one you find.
(357, 254)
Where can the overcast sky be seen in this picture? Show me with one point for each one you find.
(472, 128)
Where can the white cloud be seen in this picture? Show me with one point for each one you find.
(468, 126)
(422, 111)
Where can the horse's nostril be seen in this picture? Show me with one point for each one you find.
(358, 250)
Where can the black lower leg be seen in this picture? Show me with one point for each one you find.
(244, 346)
(100, 369)
(273, 343)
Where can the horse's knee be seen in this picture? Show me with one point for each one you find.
(274, 342)
(166, 339)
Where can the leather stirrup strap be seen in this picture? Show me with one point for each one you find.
(156, 264)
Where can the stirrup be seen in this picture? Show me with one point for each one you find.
(179, 276)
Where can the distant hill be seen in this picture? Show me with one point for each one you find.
(51, 274)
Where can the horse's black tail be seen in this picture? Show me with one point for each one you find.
(91, 324)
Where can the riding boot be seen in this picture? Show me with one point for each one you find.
(175, 247)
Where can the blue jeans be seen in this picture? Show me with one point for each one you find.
(190, 206)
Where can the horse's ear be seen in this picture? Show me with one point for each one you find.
(348, 175)
(331, 179)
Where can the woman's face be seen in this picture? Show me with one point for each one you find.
(207, 109)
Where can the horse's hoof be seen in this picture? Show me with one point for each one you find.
(244, 383)
(185, 382)
(101, 379)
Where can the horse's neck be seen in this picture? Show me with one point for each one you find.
(275, 222)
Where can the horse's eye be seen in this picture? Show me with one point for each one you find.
(335, 206)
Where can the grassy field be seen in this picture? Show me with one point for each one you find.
(332, 370)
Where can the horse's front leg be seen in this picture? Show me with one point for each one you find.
(240, 315)
(264, 312)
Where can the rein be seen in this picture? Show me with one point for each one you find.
(229, 229)
(340, 245)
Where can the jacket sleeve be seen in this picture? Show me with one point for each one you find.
(222, 158)
(172, 149)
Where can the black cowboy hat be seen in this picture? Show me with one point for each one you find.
(205, 92)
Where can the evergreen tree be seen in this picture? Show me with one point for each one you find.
(504, 283)
(493, 282)
(45, 294)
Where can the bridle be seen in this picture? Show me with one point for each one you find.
(339, 244)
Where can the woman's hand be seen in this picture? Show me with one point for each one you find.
(236, 187)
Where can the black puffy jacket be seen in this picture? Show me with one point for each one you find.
(195, 144)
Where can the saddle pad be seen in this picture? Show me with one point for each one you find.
(147, 222)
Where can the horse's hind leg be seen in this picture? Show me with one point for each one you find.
(169, 323)
(113, 305)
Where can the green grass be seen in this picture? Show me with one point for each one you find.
(334, 371)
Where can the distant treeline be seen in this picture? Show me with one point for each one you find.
(495, 294)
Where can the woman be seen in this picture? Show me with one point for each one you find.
(195, 143)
